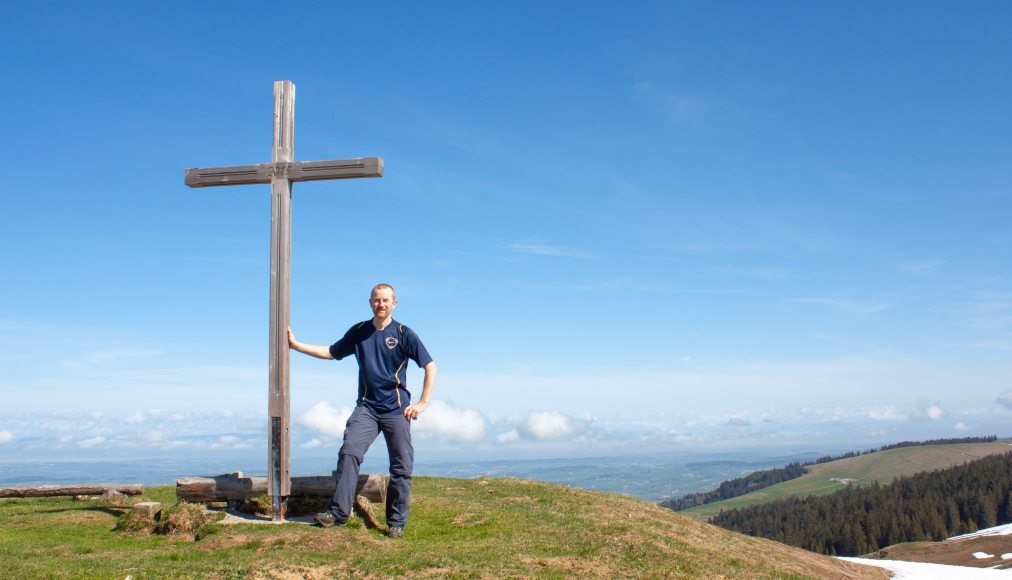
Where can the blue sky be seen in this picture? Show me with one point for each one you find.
(717, 225)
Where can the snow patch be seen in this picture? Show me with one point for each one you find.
(921, 571)
(1002, 530)
(982, 555)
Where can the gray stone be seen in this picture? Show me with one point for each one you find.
(148, 509)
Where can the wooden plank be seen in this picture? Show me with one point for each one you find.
(296, 171)
(235, 175)
(70, 489)
(279, 412)
(229, 487)
(279, 387)
(283, 150)
(335, 169)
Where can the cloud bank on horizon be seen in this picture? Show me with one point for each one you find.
(449, 432)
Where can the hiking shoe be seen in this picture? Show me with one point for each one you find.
(326, 519)
(395, 533)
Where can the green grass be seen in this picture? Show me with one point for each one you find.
(883, 466)
(459, 528)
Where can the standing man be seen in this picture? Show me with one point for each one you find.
(382, 347)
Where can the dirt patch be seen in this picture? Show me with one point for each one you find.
(304, 573)
(469, 519)
(953, 552)
(335, 540)
(569, 566)
(435, 573)
(237, 517)
(235, 540)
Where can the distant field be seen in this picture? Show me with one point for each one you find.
(883, 466)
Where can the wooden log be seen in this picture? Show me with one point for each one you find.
(70, 489)
(232, 487)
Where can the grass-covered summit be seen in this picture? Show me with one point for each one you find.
(459, 527)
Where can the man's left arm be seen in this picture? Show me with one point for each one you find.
(416, 409)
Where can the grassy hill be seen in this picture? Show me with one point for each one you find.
(471, 528)
(882, 466)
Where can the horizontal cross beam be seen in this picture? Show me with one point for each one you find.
(294, 171)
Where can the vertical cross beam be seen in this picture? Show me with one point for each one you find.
(279, 407)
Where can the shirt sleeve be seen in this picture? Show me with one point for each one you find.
(414, 348)
(345, 346)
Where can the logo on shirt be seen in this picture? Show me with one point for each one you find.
(391, 342)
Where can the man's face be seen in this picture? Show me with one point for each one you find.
(382, 302)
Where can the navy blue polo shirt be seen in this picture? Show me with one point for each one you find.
(382, 357)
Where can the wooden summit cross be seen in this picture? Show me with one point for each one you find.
(281, 172)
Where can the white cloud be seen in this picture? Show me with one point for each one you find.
(135, 419)
(154, 437)
(312, 444)
(508, 437)
(6, 437)
(448, 422)
(928, 411)
(884, 414)
(545, 425)
(91, 442)
(1005, 399)
(231, 442)
(961, 426)
(325, 419)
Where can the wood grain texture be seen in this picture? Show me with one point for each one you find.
(294, 172)
(229, 487)
(70, 489)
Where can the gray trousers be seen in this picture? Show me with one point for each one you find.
(362, 429)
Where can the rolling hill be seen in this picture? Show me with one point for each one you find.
(881, 466)
(459, 527)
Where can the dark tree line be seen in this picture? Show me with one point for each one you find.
(738, 486)
(926, 506)
(950, 441)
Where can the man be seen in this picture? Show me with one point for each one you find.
(382, 347)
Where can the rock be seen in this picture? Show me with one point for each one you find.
(148, 509)
(112, 498)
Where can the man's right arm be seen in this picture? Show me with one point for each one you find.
(317, 350)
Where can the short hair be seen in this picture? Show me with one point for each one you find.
(382, 286)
